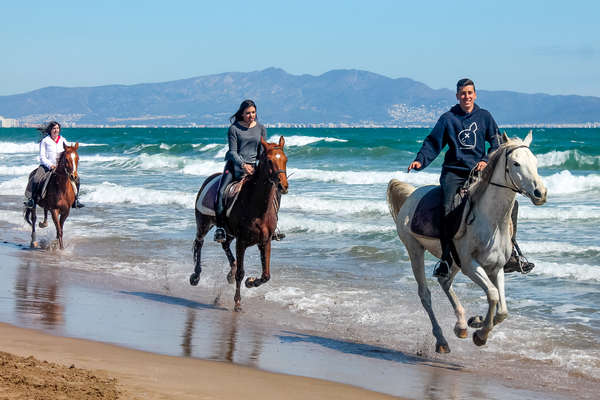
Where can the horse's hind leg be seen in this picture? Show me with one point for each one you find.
(44, 223)
(240, 250)
(203, 225)
(460, 328)
(232, 264)
(33, 214)
(417, 254)
(265, 257)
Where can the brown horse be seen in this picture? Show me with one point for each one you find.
(60, 194)
(252, 219)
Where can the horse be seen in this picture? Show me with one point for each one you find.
(483, 240)
(252, 219)
(60, 194)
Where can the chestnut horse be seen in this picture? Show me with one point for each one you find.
(252, 219)
(60, 194)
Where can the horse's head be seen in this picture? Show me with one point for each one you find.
(71, 160)
(521, 169)
(275, 163)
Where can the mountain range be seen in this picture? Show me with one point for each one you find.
(338, 97)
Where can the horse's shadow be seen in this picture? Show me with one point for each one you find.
(366, 350)
(177, 301)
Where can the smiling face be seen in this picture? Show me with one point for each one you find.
(466, 96)
(249, 115)
(55, 132)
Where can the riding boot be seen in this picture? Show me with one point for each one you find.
(517, 261)
(76, 203)
(442, 268)
(220, 232)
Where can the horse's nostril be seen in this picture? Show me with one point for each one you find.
(537, 193)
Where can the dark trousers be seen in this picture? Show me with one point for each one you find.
(226, 179)
(450, 183)
(36, 177)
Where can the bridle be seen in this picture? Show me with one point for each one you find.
(68, 173)
(507, 176)
(273, 176)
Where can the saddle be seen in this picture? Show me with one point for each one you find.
(427, 218)
(206, 200)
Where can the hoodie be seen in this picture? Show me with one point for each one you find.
(465, 134)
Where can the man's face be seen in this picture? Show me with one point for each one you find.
(466, 98)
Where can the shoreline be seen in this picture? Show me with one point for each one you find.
(200, 337)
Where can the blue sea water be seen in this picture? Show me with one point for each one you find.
(342, 266)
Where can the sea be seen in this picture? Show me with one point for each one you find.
(341, 271)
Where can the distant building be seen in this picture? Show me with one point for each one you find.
(8, 122)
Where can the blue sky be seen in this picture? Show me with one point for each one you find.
(526, 46)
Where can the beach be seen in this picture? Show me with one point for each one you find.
(341, 305)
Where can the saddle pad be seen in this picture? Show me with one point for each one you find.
(428, 215)
(206, 200)
(427, 218)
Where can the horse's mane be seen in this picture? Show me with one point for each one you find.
(478, 187)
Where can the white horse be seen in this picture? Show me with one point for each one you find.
(483, 241)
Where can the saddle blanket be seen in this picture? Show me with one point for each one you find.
(427, 218)
(206, 200)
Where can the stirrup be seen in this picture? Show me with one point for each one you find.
(278, 236)
(77, 204)
(220, 235)
(441, 270)
(518, 263)
(29, 203)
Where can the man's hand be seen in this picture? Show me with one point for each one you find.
(248, 168)
(480, 166)
(414, 165)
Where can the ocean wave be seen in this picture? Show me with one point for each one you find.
(557, 248)
(110, 193)
(578, 272)
(364, 177)
(563, 213)
(206, 147)
(333, 206)
(565, 182)
(32, 147)
(15, 186)
(299, 140)
(571, 159)
(17, 170)
(291, 223)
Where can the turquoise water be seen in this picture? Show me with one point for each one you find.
(342, 266)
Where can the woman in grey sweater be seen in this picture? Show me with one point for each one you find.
(244, 144)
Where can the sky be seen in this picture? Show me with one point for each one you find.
(529, 46)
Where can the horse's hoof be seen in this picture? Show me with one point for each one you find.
(460, 333)
(34, 245)
(194, 279)
(475, 322)
(237, 307)
(477, 340)
(43, 224)
(442, 348)
(250, 283)
(230, 279)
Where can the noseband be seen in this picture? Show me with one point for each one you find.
(507, 176)
(274, 175)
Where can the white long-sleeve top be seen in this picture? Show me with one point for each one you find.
(50, 150)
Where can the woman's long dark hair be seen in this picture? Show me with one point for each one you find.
(239, 115)
(45, 130)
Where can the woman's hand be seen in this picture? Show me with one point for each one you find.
(248, 168)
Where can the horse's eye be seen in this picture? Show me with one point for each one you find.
(516, 164)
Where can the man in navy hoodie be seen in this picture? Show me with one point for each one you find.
(464, 129)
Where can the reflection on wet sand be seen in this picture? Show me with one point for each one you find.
(37, 299)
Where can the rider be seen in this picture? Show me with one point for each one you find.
(244, 145)
(465, 129)
(51, 147)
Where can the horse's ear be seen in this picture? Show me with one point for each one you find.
(505, 137)
(263, 142)
(64, 145)
(76, 145)
(281, 141)
(528, 138)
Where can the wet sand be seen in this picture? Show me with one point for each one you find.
(157, 345)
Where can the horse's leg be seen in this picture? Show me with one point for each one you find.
(55, 219)
(63, 217)
(416, 253)
(460, 328)
(240, 250)
(478, 275)
(232, 265)
(44, 223)
(502, 311)
(203, 225)
(33, 215)
(265, 258)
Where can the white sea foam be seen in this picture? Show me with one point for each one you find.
(17, 170)
(557, 213)
(579, 272)
(555, 247)
(32, 147)
(206, 147)
(328, 206)
(15, 186)
(110, 193)
(567, 183)
(298, 140)
(202, 167)
(164, 146)
(96, 158)
(291, 223)
(364, 177)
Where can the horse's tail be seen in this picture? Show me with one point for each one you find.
(397, 193)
